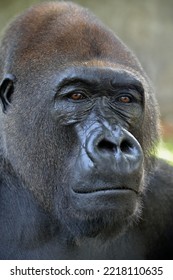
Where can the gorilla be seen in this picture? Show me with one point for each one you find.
(80, 178)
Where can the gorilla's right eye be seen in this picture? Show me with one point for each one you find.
(76, 96)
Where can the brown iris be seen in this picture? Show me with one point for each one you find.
(76, 96)
(125, 99)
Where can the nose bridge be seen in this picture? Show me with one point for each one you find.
(104, 112)
(101, 120)
(103, 128)
(112, 133)
(109, 130)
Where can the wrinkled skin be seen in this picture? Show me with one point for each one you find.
(79, 125)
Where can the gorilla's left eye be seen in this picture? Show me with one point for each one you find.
(76, 96)
(125, 99)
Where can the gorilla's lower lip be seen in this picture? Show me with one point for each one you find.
(105, 190)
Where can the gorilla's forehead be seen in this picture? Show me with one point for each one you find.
(39, 35)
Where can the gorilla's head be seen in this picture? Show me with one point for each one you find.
(79, 118)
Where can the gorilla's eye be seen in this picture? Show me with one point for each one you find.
(124, 99)
(76, 96)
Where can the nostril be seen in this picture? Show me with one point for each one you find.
(106, 145)
(126, 147)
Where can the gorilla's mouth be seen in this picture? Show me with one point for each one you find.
(97, 199)
(105, 190)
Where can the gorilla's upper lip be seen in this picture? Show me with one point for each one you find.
(104, 189)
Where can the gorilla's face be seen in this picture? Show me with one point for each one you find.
(99, 111)
(79, 129)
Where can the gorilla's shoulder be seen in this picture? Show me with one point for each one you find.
(158, 200)
(157, 216)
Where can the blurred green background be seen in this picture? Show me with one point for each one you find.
(146, 26)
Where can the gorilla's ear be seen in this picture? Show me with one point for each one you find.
(6, 90)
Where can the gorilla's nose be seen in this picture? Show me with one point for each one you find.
(118, 149)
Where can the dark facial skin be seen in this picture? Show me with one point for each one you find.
(101, 107)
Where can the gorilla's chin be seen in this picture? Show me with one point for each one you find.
(101, 225)
(98, 213)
